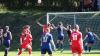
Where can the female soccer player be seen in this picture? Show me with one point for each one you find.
(76, 41)
(25, 40)
(90, 39)
(46, 41)
(45, 26)
(7, 39)
(60, 29)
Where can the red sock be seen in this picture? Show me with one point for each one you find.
(30, 50)
(19, 52)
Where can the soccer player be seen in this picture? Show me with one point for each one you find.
(46, 41)
(7, 39)
(25, 40)
(90, 39)
(45, 26)
(1, 36)
(60, 29)
(76, 41)
(69, 31)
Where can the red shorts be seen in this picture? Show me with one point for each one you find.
(25, 45)
(77, 49)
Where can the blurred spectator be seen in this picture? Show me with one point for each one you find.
(98, 3)
(95, 6)
(87, 5)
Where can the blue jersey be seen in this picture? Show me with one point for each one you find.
(90, 36)
(60, 31)
(7, 36)
(46, 40)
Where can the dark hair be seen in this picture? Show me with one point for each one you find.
(88, 29)
(60, 23)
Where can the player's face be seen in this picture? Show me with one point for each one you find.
(25, 31)
(49, 25)
(1, 30)
(7, 28)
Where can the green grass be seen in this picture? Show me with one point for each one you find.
(57, 53)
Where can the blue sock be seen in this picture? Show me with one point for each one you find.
(57, 45)
(6, 51)
(62, 46)
(86, 48)
(89, 49)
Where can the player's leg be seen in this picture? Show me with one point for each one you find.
(57, 45)
(89, 47)
(80, 51)
(86, 47)
(74, 54)
(49, 50)
(43, 51)
(62, 46)
(7, 44)
(74, 50)
(21, 49)
(30, 50)
(80, 54)
(62, 42)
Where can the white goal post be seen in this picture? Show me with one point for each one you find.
(71, 13)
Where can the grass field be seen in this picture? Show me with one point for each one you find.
(57, 53)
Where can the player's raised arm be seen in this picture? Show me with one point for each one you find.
(54, 26)
(96, 36)
(39, 24)
(85, 37)
(65, 28)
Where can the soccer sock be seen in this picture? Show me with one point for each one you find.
(30, 51)
(6, 51)
(89, 49)
(62, 46)
(86, 48)
(19, 52)
(57, 45)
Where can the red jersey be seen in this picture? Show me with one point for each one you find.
(76, 38)
(26, 38)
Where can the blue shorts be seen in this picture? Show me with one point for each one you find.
(7, 43)
(91, 42)
(60, 37)
(45, 49)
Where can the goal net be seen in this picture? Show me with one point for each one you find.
(83, 19)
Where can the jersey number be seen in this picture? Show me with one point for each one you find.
(44, 39)
(74, 37)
